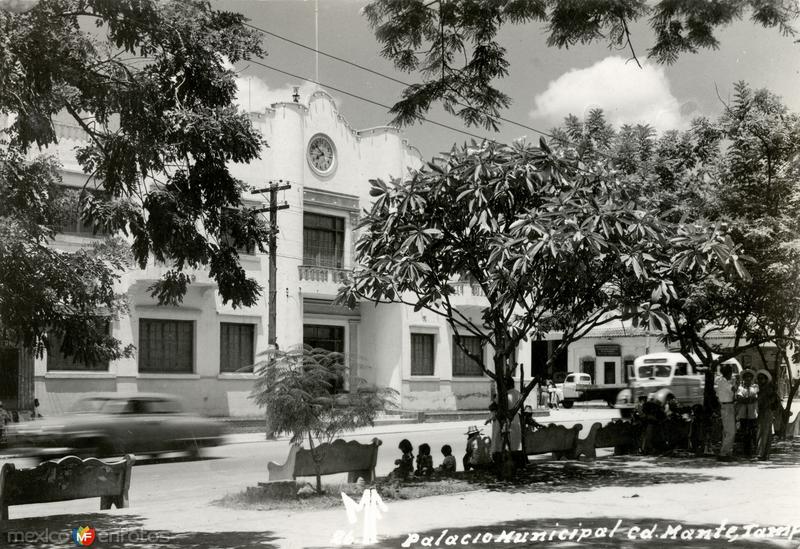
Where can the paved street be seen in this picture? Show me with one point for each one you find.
(233, 467)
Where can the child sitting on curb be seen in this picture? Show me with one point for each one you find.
(424, 461)
(405, 465)
(448, 466)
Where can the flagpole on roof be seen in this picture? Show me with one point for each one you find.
(316, 41)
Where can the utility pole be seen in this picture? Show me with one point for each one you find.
(272, 340)
(273, 250)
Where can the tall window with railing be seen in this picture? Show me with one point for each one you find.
(323, 240)
(68, 202)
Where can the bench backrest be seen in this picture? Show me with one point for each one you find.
(337, 457)
(65, 479)
(616, 433)
(553, 438)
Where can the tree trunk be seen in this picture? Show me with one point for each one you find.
(316, 464)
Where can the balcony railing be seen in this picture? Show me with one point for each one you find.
(468, 289)
(313, 273)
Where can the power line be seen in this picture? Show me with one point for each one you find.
(356, 96)
(383, 75)
(406, 84)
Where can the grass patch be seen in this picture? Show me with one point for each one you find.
(256, 498)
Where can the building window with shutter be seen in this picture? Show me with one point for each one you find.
(236, 347)
(58, 362)
(323, 240)
(422, 354)
(68, 220)
(463, 364)
(166, 346)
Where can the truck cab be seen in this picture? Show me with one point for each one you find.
(658, 375)
(576, 383)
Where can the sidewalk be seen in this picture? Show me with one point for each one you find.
(642, 491)
(629, 495)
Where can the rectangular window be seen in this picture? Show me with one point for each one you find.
(463, 364)
(166, 346)
(587, 367)
(422, 353)
(330, 338)
(323, 240)
(68, 202)
(228, 239)
(236, 347)
(58, 362)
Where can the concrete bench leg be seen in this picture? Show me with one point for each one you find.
(120, 502)
(366, 474)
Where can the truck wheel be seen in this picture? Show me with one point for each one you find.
(568, 403)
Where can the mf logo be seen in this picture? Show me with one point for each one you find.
(84, 536)
(369, 509)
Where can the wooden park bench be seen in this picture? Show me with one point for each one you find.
(557, 439)
(620, 435)
(66, 479)
(354, 458)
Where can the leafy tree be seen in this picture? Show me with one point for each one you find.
(147, 84)
(298, 389)
(550, 246)
(454, 45)
(739, 173)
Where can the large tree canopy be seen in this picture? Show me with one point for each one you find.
(146, 81)
(454, 46)
(550, 243)
(738, 172)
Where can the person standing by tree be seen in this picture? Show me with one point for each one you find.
(746, 402)
(5, 419)
(724, 389)
(767, 402)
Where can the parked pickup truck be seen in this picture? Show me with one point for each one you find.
(577, 387)
(658, 375)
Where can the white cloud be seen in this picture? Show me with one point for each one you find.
(626, 93)
(254, 95)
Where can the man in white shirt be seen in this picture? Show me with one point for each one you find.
(724, 388)
(746, 405)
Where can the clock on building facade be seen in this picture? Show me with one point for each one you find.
(321, 154)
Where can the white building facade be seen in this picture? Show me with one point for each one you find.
(201, 349)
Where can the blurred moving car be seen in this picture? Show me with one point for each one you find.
(110, 424)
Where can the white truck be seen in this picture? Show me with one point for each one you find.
(578, 387)
(658, 375)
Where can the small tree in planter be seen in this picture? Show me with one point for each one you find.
(301, 389)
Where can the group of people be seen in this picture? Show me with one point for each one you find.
(481, 451)
(549, 395)
(747, 408)
(751, 406)
(423, 467)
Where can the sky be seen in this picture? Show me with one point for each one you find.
(545, 84)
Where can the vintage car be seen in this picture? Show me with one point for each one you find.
(109, 424)
(658, 375)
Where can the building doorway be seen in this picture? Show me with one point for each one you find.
(9, 378)
(541, 351)
(329, 338)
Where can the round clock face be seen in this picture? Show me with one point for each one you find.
(322, 154)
